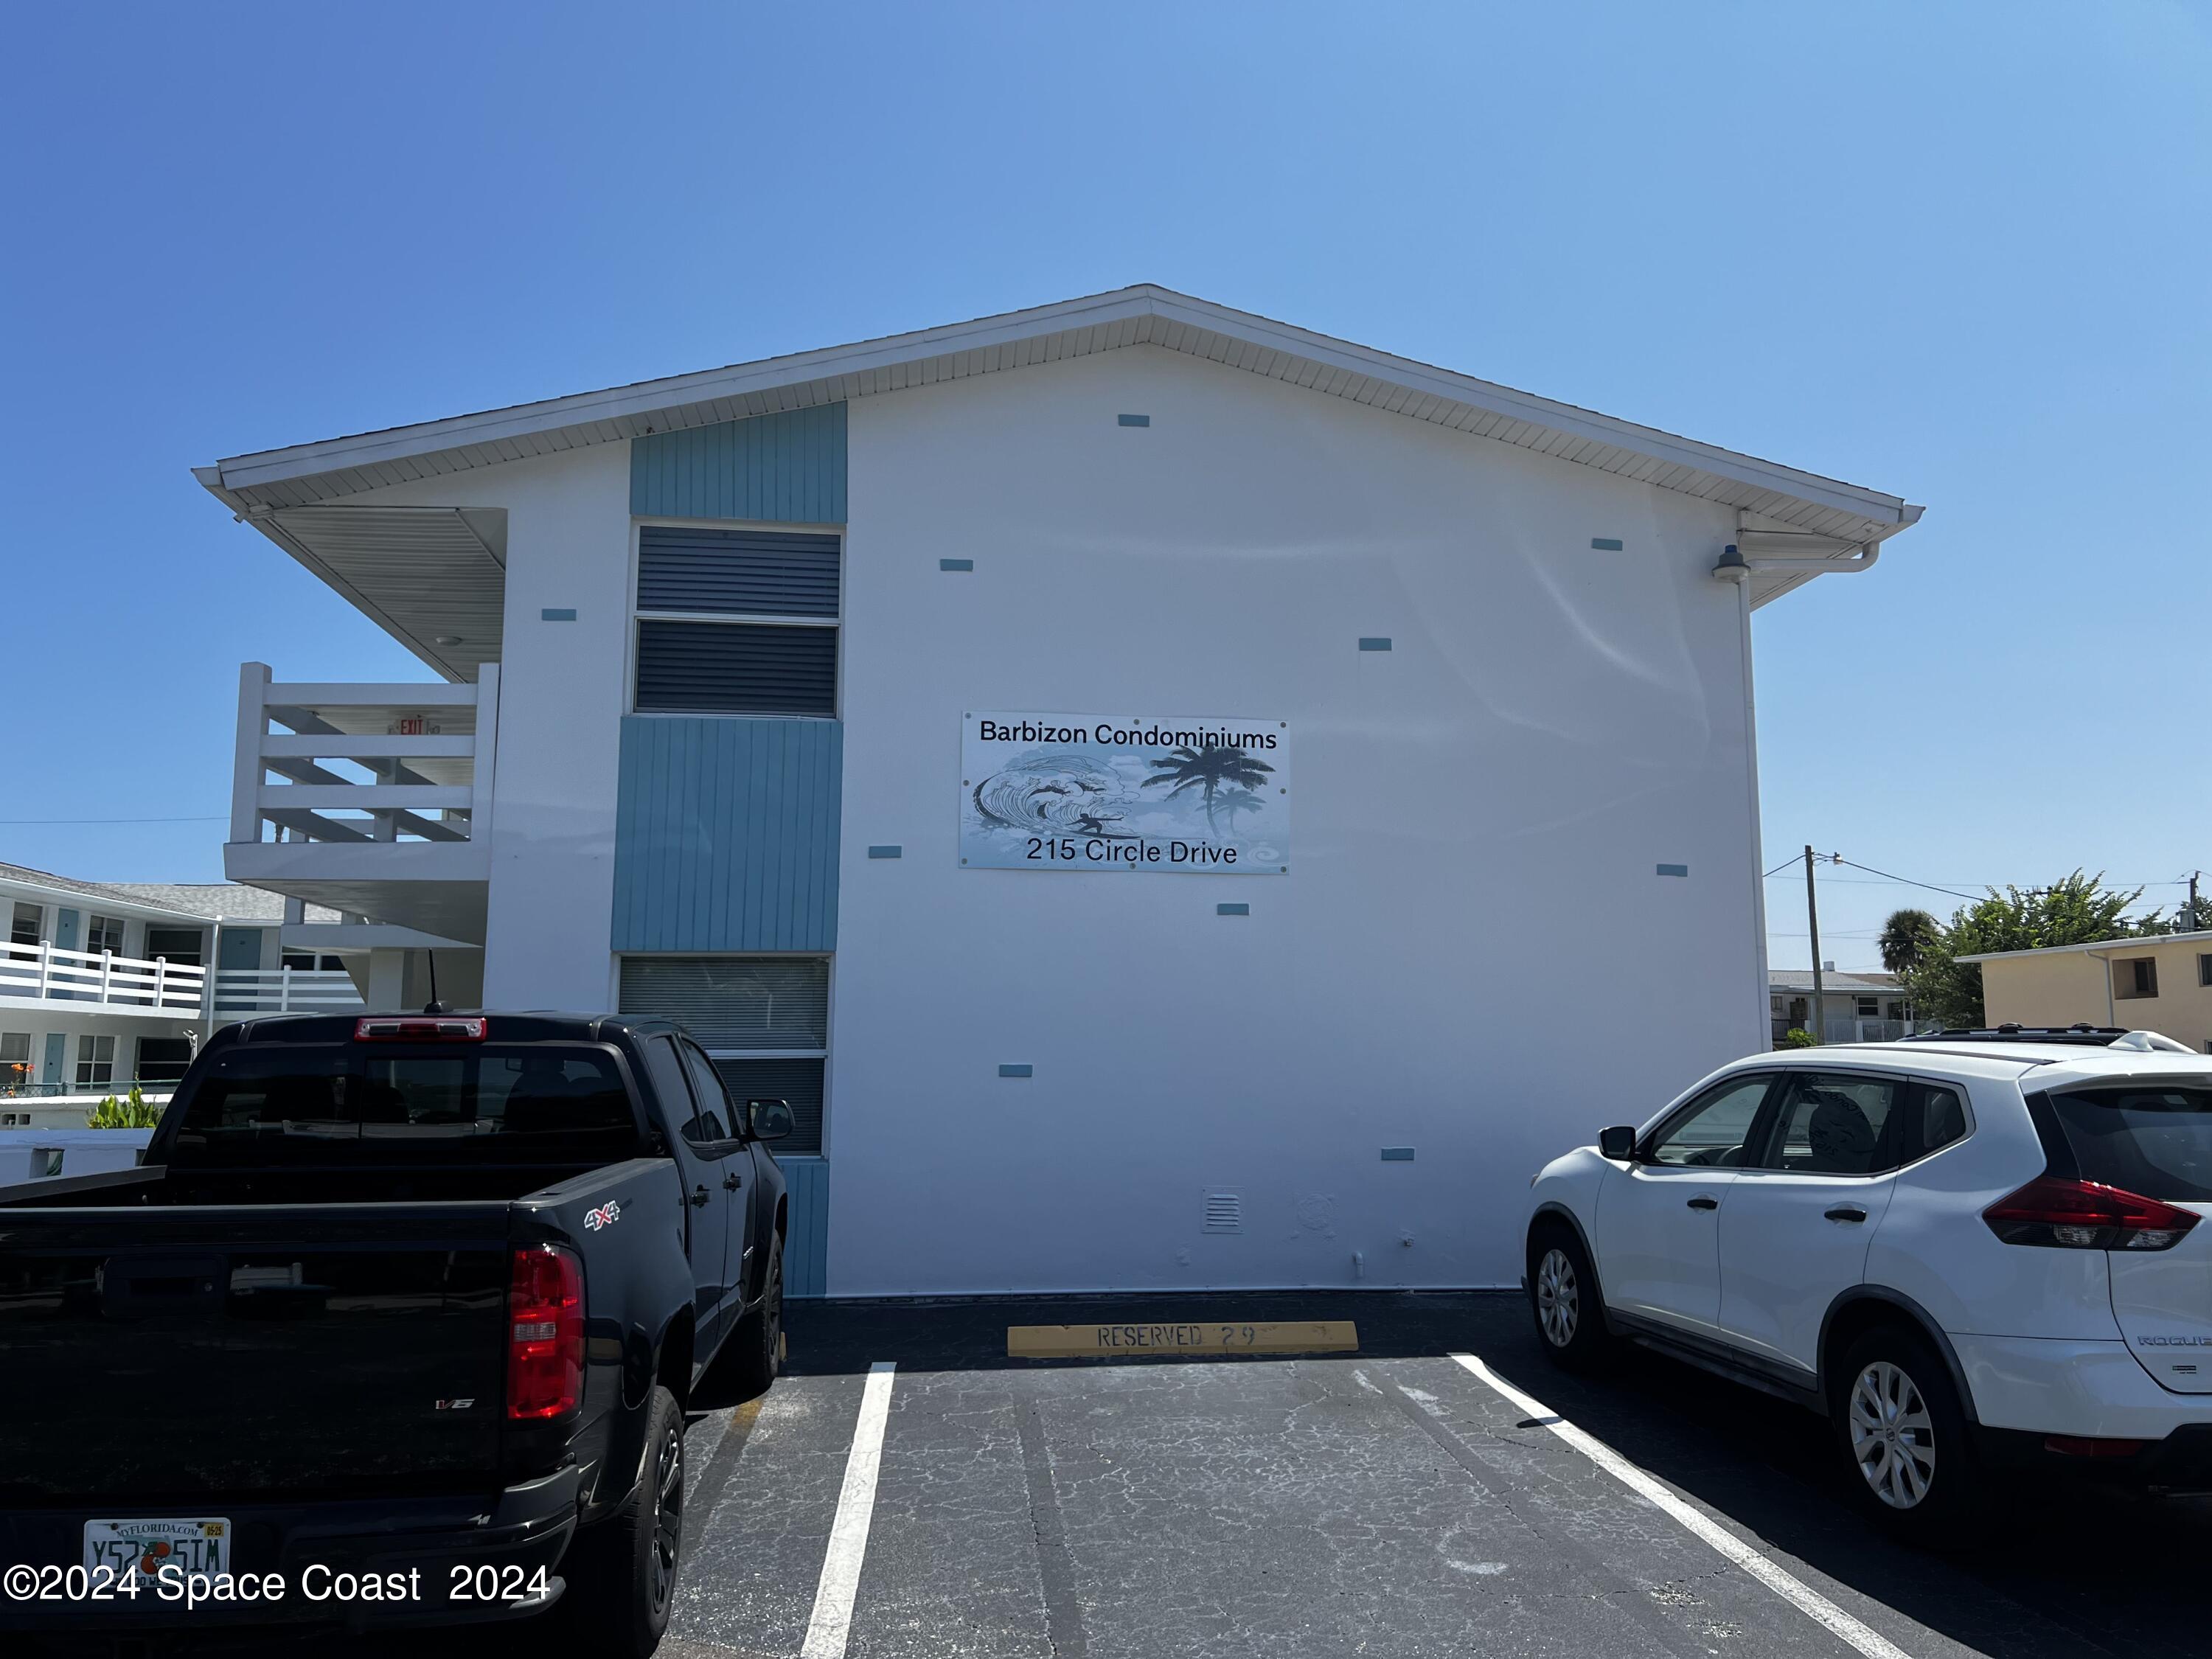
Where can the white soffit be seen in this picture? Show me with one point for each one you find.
(306, 474)
(425, 574)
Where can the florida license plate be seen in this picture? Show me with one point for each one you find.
(196, 1546)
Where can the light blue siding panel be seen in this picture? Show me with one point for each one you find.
(807, 1230)
(787, 468)
(726, 834)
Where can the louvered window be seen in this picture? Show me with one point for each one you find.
(764, 1021)
(737, 622)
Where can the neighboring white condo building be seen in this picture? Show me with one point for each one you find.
(1137, 777)
(106, 984)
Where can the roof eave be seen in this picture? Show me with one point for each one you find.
(813, 376)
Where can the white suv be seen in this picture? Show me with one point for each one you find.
(1971, 1250)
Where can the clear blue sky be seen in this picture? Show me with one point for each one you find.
(1958, 252)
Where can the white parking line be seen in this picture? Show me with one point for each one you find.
(831, 1623)
(1792, 1589)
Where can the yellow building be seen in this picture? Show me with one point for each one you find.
(2163, 985)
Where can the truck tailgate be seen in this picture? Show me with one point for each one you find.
(158, 1355)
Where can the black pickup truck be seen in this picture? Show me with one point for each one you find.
(404, 1310)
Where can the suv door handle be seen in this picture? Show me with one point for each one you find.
(734, 1181)
(700, 1195)
(1701, 1202)
(1845, 1212)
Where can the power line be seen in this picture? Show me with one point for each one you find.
(1972, 898)
(213, 817)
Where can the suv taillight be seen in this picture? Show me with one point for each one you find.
(2060, 1212)
(546, 1333)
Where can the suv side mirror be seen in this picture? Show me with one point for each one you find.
(1617, 1144)
(770, 1119)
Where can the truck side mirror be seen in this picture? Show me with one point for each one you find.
(770, 1119)
(1617, 1144)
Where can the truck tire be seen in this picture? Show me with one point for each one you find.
(754, 1354)
(622, 1572)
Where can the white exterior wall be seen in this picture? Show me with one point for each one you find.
(562, 692)
(1480, 812)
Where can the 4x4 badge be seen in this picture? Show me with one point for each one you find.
(606, 1216)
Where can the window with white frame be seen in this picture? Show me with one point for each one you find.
(26, 927)
(96, 1062)
(103, 933)
(736, 622)
(764, 1021)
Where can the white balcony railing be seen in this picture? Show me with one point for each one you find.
(363, 764)
(241, 994)
(49, 973)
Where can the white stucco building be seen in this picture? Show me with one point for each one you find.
(718, 660)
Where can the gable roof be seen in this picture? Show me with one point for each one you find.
(387, 566)
(1145, 314)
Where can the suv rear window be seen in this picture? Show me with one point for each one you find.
(2151, 1139)
(362, 1103)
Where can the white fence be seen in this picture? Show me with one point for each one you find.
(95, 982)
(426, 750)
(242, 993)
(48, 972)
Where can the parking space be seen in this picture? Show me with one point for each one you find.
(1390, 1501)
(1387, 1502)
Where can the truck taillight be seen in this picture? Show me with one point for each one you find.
(2060, 1212)
(432, 1028)
(546, 1333)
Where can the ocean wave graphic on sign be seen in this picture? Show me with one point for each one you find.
(1056, 791)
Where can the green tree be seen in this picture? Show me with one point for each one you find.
(1905, 938)
(1209, 770)
(2078, 910)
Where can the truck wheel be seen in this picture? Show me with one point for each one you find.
(1903, 1437)
(755, 1347)
(623, 1570)
(1562, 1296)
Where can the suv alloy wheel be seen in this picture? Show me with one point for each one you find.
(1899, 1426)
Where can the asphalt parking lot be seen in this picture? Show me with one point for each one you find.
(1389, 1502)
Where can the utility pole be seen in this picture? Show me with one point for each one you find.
(1813, 922)
(2196, 916)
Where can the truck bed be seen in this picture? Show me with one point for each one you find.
(167, 1336)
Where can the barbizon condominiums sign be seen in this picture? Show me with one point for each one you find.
(1115, 792)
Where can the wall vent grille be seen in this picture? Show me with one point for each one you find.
(1225, 1214)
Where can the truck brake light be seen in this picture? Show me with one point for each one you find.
(426, 1028)
(2057, 1211)
(545, 1333)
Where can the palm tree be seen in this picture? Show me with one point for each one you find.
(1209, 770)
(1233, 801)
(1904, 939)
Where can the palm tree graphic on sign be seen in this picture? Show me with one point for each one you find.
(1211, 770)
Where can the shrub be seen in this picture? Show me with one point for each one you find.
(1797, 1037)
(132, 1112)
